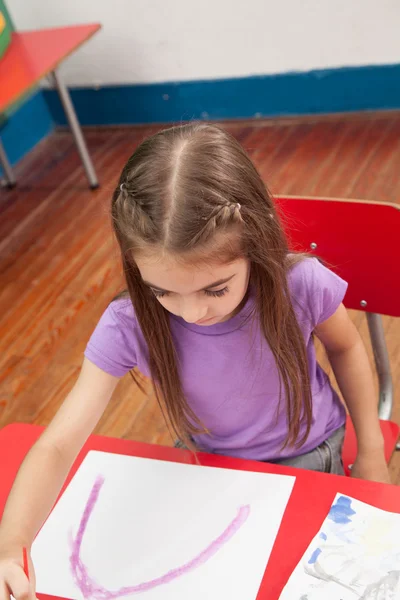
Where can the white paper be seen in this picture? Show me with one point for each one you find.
(153, 517)
(356, 554)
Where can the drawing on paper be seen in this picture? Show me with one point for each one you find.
(356, 554)
(91, 589)
(148, 522)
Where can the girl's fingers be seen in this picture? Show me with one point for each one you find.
(4, 592)
(19, 585)
(32, 575)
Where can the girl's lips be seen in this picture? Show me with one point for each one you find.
(204, 321)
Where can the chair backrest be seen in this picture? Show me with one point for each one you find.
(359, 240)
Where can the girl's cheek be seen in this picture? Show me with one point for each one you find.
(171, 305)
(167, 303)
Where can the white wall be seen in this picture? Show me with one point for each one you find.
(175, 40)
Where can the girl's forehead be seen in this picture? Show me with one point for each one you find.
(167, 273)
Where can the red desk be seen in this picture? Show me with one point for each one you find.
(33, 55)
(311, 499)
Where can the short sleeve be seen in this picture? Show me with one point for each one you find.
(317, 289)
(112, 344)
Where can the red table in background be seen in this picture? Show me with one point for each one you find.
(308, 506)
(31, 56)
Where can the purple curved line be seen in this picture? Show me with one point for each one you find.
(91, 589)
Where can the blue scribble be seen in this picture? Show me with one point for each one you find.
(341, 511)
(323, 536)
(314, 556)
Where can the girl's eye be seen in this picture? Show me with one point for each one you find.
(217, 293)
(159, 293)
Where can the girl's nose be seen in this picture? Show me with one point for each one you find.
(192, 312)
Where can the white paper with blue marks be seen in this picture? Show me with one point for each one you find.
(356, 554)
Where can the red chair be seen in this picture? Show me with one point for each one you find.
(359, 241)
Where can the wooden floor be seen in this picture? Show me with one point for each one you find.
(59, 265)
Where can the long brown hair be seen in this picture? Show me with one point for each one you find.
(193, 192)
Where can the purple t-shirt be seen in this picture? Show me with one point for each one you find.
(228, 372)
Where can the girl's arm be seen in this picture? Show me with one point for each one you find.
(349, 360)
(44, 471)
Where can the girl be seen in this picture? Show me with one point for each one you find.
(222, 317)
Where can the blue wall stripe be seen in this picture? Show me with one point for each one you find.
(323, 91)
(26, 127)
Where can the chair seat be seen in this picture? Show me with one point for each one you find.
(390, 432)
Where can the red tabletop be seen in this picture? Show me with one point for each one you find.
(31, 55)
(308, 506)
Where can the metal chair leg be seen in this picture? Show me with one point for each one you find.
(382, 363)
(377, 334)
(9, 176)
(76, 129)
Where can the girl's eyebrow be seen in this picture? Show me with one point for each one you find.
(212, 285)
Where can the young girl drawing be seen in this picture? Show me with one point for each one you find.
(222, 317)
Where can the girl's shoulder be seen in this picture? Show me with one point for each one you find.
(314, 288)
(115, 344)
(121, 308)
(308, 271)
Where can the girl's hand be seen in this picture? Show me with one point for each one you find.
(372, 467)
(12, 577)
